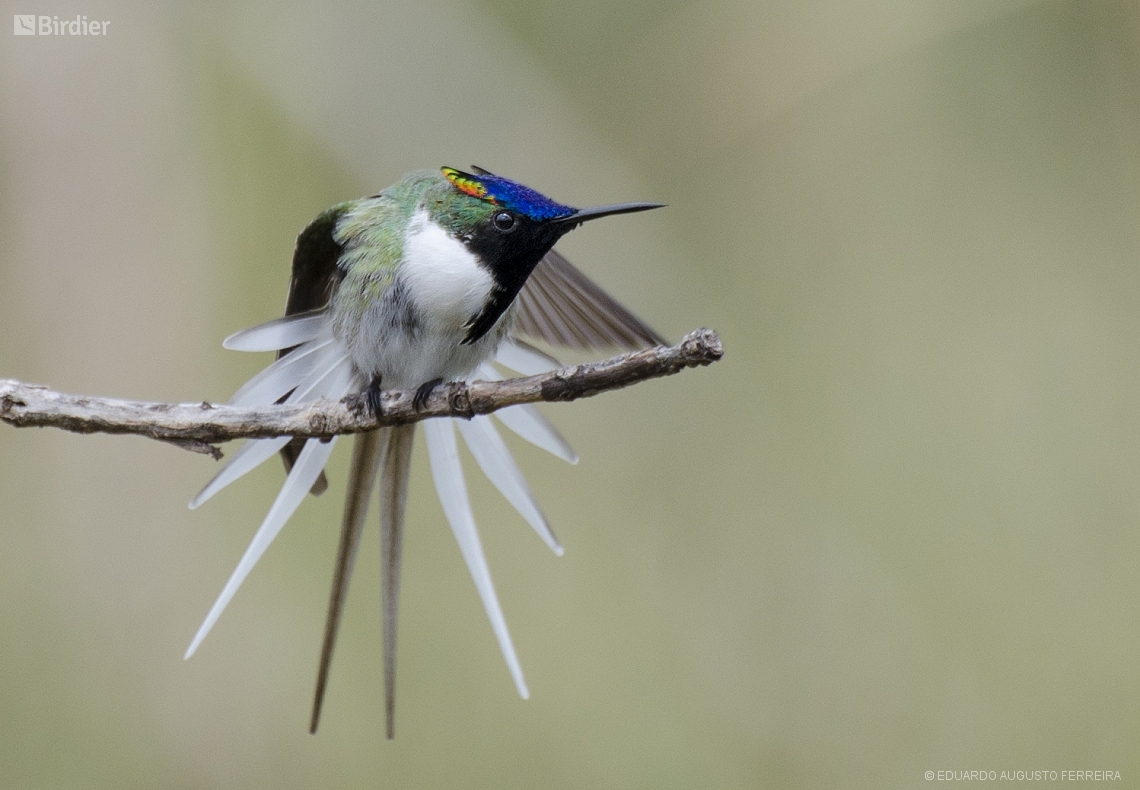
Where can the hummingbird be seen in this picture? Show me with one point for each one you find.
(430, 280)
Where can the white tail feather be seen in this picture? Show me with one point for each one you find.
(309, 464)
(292, 330)
(486, 371)
(283, 375)
(249, 456)
(528, 422)
(524, 359)
(448, 475)
(333, 380)
(496, 462)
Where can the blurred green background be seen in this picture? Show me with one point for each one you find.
(895, 530)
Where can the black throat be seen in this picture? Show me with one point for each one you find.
(510, 257)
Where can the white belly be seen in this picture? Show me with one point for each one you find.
(415, 334)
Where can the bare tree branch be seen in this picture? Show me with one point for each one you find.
(199, 426)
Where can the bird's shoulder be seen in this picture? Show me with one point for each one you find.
(360, 238)
(315, 262)
(371, 233)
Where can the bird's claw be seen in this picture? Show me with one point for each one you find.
(372, 397)
(424, 392)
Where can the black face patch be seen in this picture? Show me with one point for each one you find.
(510, 251)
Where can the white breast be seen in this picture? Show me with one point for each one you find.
(444, 279)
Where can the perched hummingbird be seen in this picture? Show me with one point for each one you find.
(425, 282)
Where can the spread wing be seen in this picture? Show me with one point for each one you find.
(564, 307)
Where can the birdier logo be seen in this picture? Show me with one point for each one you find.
(32, 25)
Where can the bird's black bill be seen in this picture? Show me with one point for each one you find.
(583, 214)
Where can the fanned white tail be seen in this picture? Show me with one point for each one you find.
(327, 373)
(319, 367)
(334, 379)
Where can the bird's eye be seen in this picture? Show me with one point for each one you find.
(504, 221)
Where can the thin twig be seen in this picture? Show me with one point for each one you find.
(199, 426)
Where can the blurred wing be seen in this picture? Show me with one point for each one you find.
(564, 307)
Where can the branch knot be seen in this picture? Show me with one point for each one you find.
(459, 400)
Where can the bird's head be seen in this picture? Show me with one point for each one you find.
(509, 226)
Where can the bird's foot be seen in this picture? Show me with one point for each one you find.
(424, 392)
(372, 397)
